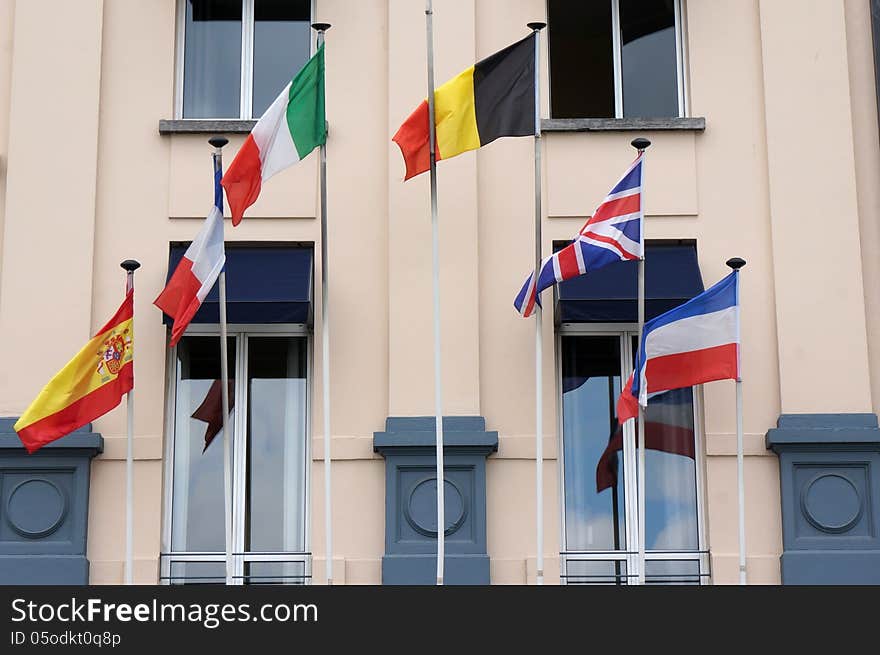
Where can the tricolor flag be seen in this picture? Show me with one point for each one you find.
(493, 98)
(293, 126)
(197, 271)
(612, 234)
(694, 343)
(89, 386)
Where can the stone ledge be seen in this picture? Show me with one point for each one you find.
(824, 431)
(622, 124)
(80, 441)
(205, 126)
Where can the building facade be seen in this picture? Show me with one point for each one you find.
(764, 125)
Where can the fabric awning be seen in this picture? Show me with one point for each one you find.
(269, 283)
(609, 295)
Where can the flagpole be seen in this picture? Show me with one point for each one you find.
(641, 144)
(321, 28)
(435, 254)
(737, 263)
(539, 341)
(218, 142)
(130, 266)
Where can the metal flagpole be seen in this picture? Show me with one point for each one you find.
(737, 263)
(641, 144)
(539, 344)
(218, 142)
(130, 266)
(321, 28)
(435, 252)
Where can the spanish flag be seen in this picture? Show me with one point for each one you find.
(491, 99)
(89, 386)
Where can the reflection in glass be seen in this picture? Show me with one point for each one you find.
(650, 82)
(595, 571)
(594, 479)
(581, 59)
(281, 47)
(670, 472)
(197, 521)
(197, 573)
(276, 445)
(676, 572)
(212, 59)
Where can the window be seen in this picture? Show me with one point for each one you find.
(600, 510)
(616, 59)
(270, 460)
(235, 56)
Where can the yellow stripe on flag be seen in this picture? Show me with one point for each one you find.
(89, 370)
(455, 116)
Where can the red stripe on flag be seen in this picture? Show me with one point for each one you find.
(690, 368)
(611, 242)
(618, 207)
(243, 179)
(412, 138)
(179, 299)
(568, 263)
(80, 413)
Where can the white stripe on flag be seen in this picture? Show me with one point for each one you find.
(693, 333)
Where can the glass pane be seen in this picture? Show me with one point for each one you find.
(275, 573)
(197, 573)
(276, 444)
(670, 472)
(212, 59)
(678, 572)
(581, 59)
(197, 521)
(650, 83)
(670, 468)
(593, 444)
(595, 572)
(281, 46)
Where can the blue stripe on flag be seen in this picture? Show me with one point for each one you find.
(631, 180)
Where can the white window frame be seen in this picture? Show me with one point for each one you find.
(241, 333)
(246, 97)
(617, 53)
(626, 332)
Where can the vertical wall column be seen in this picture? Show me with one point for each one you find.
(46, 275)
(411, 364)
(825, 437)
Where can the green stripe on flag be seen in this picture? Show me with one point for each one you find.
(305, 109)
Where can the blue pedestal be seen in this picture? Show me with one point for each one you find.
(829, 470)
(44, 506)
(408, 445)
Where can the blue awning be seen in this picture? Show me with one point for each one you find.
(609, 295)
(265, 283)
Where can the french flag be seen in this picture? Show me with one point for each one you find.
(694, 343)
(197, 271)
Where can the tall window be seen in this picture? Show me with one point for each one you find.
(600, 520)
(270, 458)
(616, 59)
(235, 56)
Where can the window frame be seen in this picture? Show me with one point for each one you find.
(167, 556)
(246, 67)
(626, 332)
(679, 10)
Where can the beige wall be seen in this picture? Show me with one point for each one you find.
(790, 152)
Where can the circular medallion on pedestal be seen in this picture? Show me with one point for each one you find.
(420, 509)
(831, 503)
(36, 508)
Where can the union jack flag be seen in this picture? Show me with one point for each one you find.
(613, 233)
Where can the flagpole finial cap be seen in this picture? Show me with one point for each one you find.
(736, 263)
(536, 27)
(130, 265)
(218, 141)
(321, 27)
(640, 144)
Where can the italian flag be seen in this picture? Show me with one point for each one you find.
(291, 128)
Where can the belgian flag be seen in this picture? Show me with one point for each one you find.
(493, 98)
